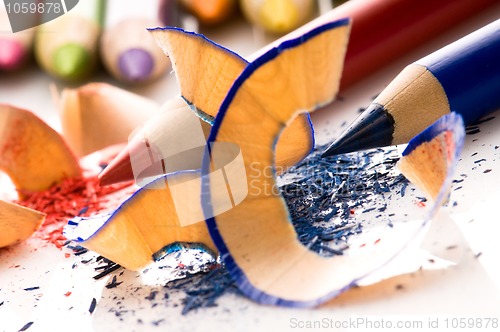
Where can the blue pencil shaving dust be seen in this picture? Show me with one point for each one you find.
(333, 199)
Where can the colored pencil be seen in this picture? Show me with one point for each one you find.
(279, 17)
(171, 13)
(463, 77)
(15, 48)
(384, 30)
(67, 46)
(210, 12)
(128, 51)
(364, 54)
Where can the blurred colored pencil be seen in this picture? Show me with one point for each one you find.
(67, 46)
(279, 16)
(128, 51)
(210, 12)
(15, 48)
(171, 13)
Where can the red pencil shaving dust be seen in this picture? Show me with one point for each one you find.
(70, 198)
(420, 204)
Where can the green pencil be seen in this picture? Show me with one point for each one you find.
(67, 46)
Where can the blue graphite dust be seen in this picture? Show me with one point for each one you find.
(326, 196)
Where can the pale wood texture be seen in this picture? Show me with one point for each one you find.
(207, 88)
(17, 223)
(404, 93)
(98, 115)
(147, 222)
(205, 71)
(427, 166)
(33, 154)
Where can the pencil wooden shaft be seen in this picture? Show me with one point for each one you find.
(403, 100)
(463, 77)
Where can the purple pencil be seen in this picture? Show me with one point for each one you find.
(128, 52)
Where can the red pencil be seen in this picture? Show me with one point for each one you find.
(400, 27)
(382, 30)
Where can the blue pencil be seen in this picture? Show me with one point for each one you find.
(463, 77)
